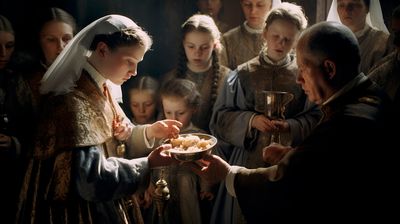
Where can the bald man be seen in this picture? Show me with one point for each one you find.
(326, 177)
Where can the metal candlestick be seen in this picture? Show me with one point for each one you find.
(161, 194)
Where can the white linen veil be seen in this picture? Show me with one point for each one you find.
(275, 3)
(61, 76)
(374, 17)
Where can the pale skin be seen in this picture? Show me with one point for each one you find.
(119, 65)
(352, 13)
(210, 7)
(53, 38)
(143, 106)
(280, 36)
(198, 49)
(176, 108)
(255, 12)
(7, 45)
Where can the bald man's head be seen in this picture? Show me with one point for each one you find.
(334, 42)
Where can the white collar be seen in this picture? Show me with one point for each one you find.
(252, 30)
(96, 76)
(115, 90)
(278, 63)
(360, 33)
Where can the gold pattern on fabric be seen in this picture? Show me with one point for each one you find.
(62, 176)
(78, 119)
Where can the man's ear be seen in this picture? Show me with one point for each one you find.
(330, 68)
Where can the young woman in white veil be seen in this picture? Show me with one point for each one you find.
(364, 18)
(77, 174)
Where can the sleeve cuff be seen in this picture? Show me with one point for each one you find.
(249, 133)
(230, 179)
(149, 143)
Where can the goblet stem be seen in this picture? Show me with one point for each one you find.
(275, 137)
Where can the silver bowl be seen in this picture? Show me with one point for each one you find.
(189, 156)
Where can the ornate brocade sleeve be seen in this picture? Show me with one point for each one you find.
(101, 179)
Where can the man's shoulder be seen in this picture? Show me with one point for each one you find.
(370, 103)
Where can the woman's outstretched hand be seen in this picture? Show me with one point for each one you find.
(164, 129)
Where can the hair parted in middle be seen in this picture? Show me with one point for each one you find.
(206, 24)
(184, 89)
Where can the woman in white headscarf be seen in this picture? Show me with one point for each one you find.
(77, 174)
(364, 18)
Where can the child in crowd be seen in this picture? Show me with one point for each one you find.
(142, 100)
(54, 28)
(199, 63)
(245, 42)
(214, 8)
(180, 101)
(274, 69)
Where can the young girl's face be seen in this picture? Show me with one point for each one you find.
(255, 12)
(7, 44)
(281, 36)
(143, 105)
(53, 38)
(210, 7)
(198, 49)
(176, 108)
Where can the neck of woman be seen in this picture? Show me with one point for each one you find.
(199, 68)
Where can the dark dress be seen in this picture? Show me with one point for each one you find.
(71, 179)
(17, 121)
(342, 171)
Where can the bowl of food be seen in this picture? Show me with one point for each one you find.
(191, 147)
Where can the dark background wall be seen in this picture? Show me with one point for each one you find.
(161, 18)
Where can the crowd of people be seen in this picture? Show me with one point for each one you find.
(74, 148)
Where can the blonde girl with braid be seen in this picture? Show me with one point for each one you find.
(142, 101)
(198, 62)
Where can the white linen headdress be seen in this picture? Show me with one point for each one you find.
(275, 3)
(374, 17)
(61, 76)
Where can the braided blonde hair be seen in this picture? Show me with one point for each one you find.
(201, 23)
